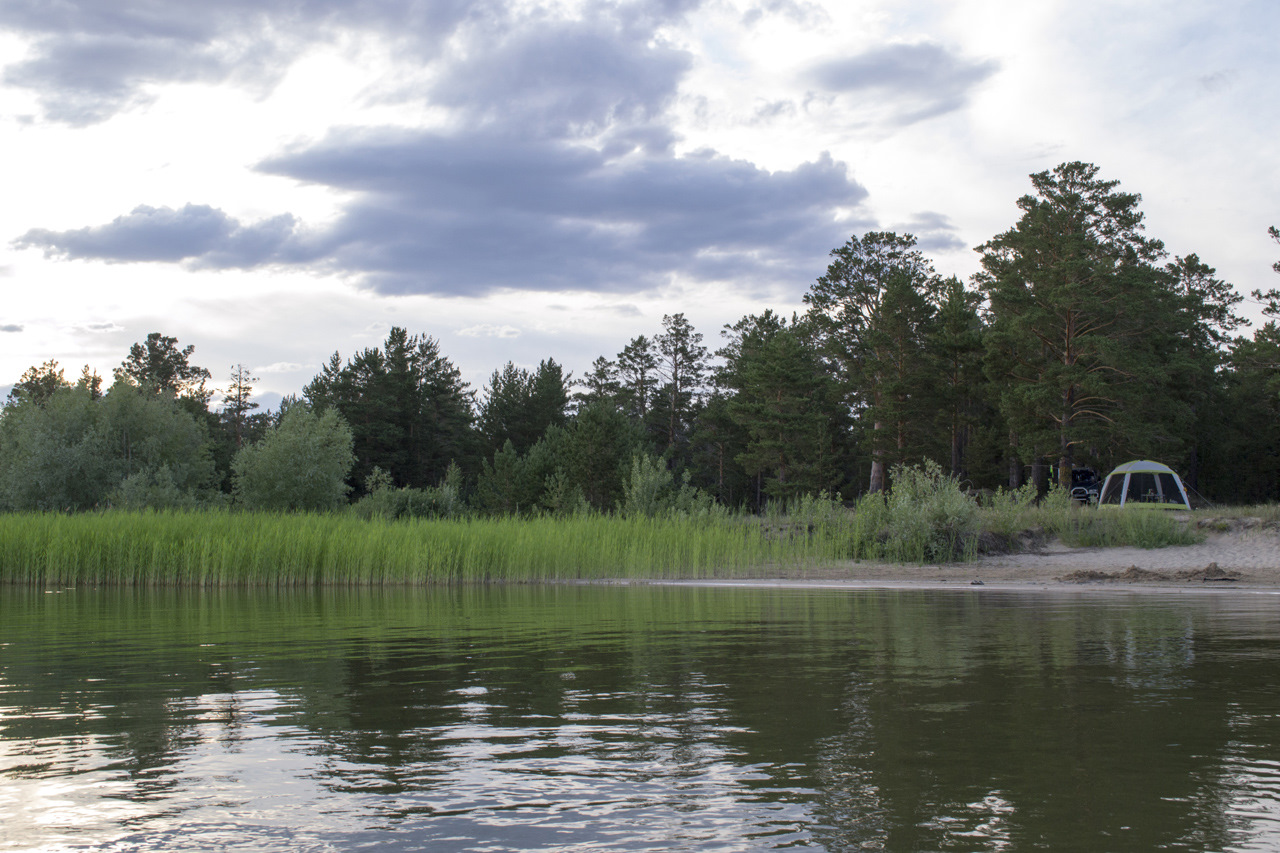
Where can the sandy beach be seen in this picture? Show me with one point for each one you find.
(1245, 555)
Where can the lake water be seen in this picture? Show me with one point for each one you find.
(638, 718)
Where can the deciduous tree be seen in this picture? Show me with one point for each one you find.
(302, 464)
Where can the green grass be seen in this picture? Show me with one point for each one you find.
(1011, 513)
(227, 548)
(220, 548)
(1268, 513)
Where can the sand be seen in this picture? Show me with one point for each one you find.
(1244, 556)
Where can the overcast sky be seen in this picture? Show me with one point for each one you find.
(274, 180)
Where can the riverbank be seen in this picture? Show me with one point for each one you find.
(1035, 546)
(1236, 553)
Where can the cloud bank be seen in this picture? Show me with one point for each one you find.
(557, 169)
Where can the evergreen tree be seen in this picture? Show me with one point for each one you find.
(237, 406)
(38, 384)
(785, 404)
(1243, 464)
(637, 378)
(682, 362)
(956, 344)
(600, 385)
(601, 442)
(871, 313)
(160, 367)
(1191, 353)
(1073, 291)
(406, 404)
(519, 405)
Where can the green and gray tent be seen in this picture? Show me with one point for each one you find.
(1144, 483)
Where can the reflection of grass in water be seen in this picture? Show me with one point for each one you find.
(231, 548)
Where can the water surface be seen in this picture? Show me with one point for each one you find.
(637, 718)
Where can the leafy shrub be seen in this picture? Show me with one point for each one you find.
(651, 491)
(929, 518)
(385, 501)
(302, 464)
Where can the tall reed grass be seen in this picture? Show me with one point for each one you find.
(221, 548)
(927, 519)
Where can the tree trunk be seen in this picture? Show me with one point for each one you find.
(957, 446)
(1015, 464)
(1064, 442)
(877, 465)
(1039, 474)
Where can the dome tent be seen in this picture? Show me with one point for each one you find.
(1144, 483)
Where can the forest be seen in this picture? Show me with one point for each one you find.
(1080, 343)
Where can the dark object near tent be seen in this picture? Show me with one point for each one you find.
(1144, 483)
(1085, 485)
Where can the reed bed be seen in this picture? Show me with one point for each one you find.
(222, 548)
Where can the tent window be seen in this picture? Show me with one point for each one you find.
(1113, 489)
(1169, 489)
(1142, 488)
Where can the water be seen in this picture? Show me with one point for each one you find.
(638, 718)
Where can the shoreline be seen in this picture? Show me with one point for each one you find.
(1240, 559)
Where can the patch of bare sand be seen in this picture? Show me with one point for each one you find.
(1241, 557)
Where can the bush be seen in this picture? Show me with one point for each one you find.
(302, 464)
(651, 491)
(385, 501)
(929, 518)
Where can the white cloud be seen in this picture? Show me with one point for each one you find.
(487, 330)
(281, 367)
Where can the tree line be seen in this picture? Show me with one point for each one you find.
(1080, 343)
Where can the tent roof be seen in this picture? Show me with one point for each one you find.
(1145, 466)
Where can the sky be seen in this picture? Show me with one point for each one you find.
(272, 181)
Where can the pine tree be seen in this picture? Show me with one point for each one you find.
(956, 343)
(406, 404)
(637, 377)
(236, 409)
(784, 402)
(1073, 291)
(871, 313)
(519, 405)
(682, 362)
(160, 367)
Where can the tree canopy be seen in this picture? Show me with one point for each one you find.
(1081, 342)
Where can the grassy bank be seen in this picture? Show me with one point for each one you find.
(223, 548)
(234, 548)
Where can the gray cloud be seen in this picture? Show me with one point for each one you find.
(469, 214)
(93, 58)
(934, 232)
(10, 327)
(557, 172)
(565, 77)
(919, 81)
(804, 13)
(194, 233)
